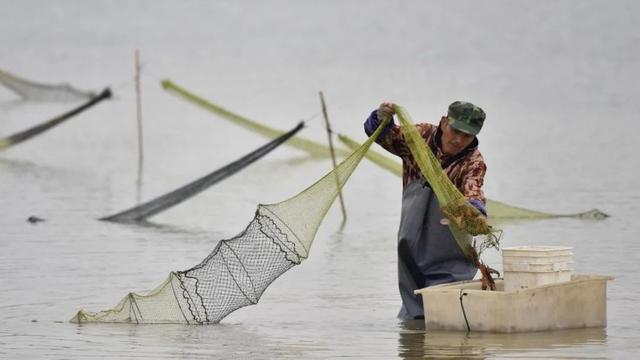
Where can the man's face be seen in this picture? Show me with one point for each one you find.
(453, 140)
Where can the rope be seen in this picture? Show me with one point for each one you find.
(308, 120)
(464, 313)
(122, 84)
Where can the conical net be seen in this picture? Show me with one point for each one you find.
(238, 270)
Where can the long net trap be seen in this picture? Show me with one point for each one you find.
(239, 269)
(309, 146)
(29, 133)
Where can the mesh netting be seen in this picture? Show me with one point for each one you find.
(164, 202)
(238, 270)
(39, 129)
(29, 90)
(243, 266)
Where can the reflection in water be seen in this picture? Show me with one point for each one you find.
(220, 341)
(416, 343)
(169, 229)
(28, 168)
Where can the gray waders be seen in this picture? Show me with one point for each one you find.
(427, 252)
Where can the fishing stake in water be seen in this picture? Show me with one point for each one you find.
(333, 154)
(139, 117)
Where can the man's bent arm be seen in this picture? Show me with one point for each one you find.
(472, 185)
(391, 137)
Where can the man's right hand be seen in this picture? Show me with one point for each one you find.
(386, 110)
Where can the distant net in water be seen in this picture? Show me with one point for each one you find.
(32, 132)
(238, 270)
(33, 91)
(309, 146)
(152, 207)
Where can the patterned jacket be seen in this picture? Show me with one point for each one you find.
(465, 169)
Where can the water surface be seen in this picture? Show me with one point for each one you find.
(557, 80)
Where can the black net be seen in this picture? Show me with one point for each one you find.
(164, 202)
(39, 129)
(244, 268)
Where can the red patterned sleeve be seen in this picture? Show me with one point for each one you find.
(393, 140)
(473, 178)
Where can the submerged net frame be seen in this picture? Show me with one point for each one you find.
(238, 270)
(152, 207)
(24, 135)
(33, 91)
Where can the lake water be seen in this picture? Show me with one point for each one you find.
(558, 81)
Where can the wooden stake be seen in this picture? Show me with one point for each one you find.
(333, 155)
(139, 116)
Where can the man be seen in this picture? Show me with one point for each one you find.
(427, 252)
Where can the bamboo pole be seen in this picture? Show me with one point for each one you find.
(139, 117)
(333, 154)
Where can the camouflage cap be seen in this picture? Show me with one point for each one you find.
(466, 117)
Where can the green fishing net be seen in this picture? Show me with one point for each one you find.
(239, 269)
(497, 210)
(142, 212)
(311, 147)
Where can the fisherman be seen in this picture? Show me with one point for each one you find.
(427, 251)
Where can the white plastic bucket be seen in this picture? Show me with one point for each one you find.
(532, 266)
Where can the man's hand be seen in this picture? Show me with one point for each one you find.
(466, 217)
(386, 110)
